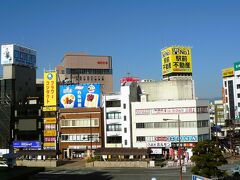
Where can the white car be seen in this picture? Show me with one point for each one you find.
(3, 164)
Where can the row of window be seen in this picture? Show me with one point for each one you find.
(88, 78)
(183, 124)
(88, 71)
(24, 57)
(114, 115)
(80, 137)
(80, 122)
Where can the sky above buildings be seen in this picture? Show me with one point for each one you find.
(133, 32)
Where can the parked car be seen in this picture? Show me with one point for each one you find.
(3, 164)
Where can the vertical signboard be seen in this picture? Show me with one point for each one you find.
(176, 59)
(50, 89)
(237, 66)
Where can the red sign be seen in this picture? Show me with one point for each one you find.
(102, 62)
(161, 138)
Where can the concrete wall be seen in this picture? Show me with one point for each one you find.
(168, 90)
(114, 164)
(37, 163)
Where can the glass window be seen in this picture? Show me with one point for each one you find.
(140, 138)
(238, 86)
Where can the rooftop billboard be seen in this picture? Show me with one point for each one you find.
(228, 72)
(176, 59)
(77, 96)
(15, 54)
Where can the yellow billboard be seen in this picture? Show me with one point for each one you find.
(50, 120)
(50, 132)
(50, 88)
(228, 72)
(176, 59)
(49, 144)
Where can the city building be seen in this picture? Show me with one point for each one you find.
(228, 93)
(117, 116)
(18, 83)
(155, 124)
(81, 132)
(80, 120)
(79, 68)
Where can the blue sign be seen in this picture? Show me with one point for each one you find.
(183, 138)
(26, 144)
(77, 96)
(195, 177)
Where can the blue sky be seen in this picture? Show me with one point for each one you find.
(131, 31)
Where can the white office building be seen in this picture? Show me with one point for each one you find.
(155, 124)
(117, 116)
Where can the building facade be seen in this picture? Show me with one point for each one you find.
(117, 116)
(155, 124)
(81, 131)
(79, 68)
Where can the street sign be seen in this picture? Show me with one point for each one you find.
(184, 169)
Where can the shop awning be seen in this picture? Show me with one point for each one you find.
(122, 151)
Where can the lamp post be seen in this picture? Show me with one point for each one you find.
(179, 143)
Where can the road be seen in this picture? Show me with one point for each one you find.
(113, 174)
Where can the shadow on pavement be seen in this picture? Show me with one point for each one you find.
(89, 176)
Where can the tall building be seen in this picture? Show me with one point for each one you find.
(19, 82)
(82, 68)
(228, 93)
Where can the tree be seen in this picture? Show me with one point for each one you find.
(207, 156)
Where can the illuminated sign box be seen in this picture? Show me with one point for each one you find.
(49, 108)
(50, 89)
(50, 120)
(50, 133)
(26, 144)
(49, 144)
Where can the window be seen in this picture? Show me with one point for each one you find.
(225, 91)
(226, 99)
(140, 125)
(114, 115)
(238, 95)
(225, 83)
(124, 106)
(114, 127)
(140, 138)
(125, 142)
(114, 139)
(116, 103)
(238, 104)
(125, 130)
(124, 118)
(238, 86)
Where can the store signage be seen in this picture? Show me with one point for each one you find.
(50, 133)
(183, 138)
(159, 144)
(156, 151)
(26, 144)
(161, 138)
(50, 108)
(76, 96)
(50, 120)
(228, 72)
(49, 144)
(50, 89)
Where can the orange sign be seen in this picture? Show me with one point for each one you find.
(50, 120)
(50, 133)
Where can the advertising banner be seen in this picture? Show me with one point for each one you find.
(75, 96)
(50, 89)
(228, 72)
(15, 54)
(26, 144)
(176, 59)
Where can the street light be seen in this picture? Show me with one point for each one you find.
(179, 143)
